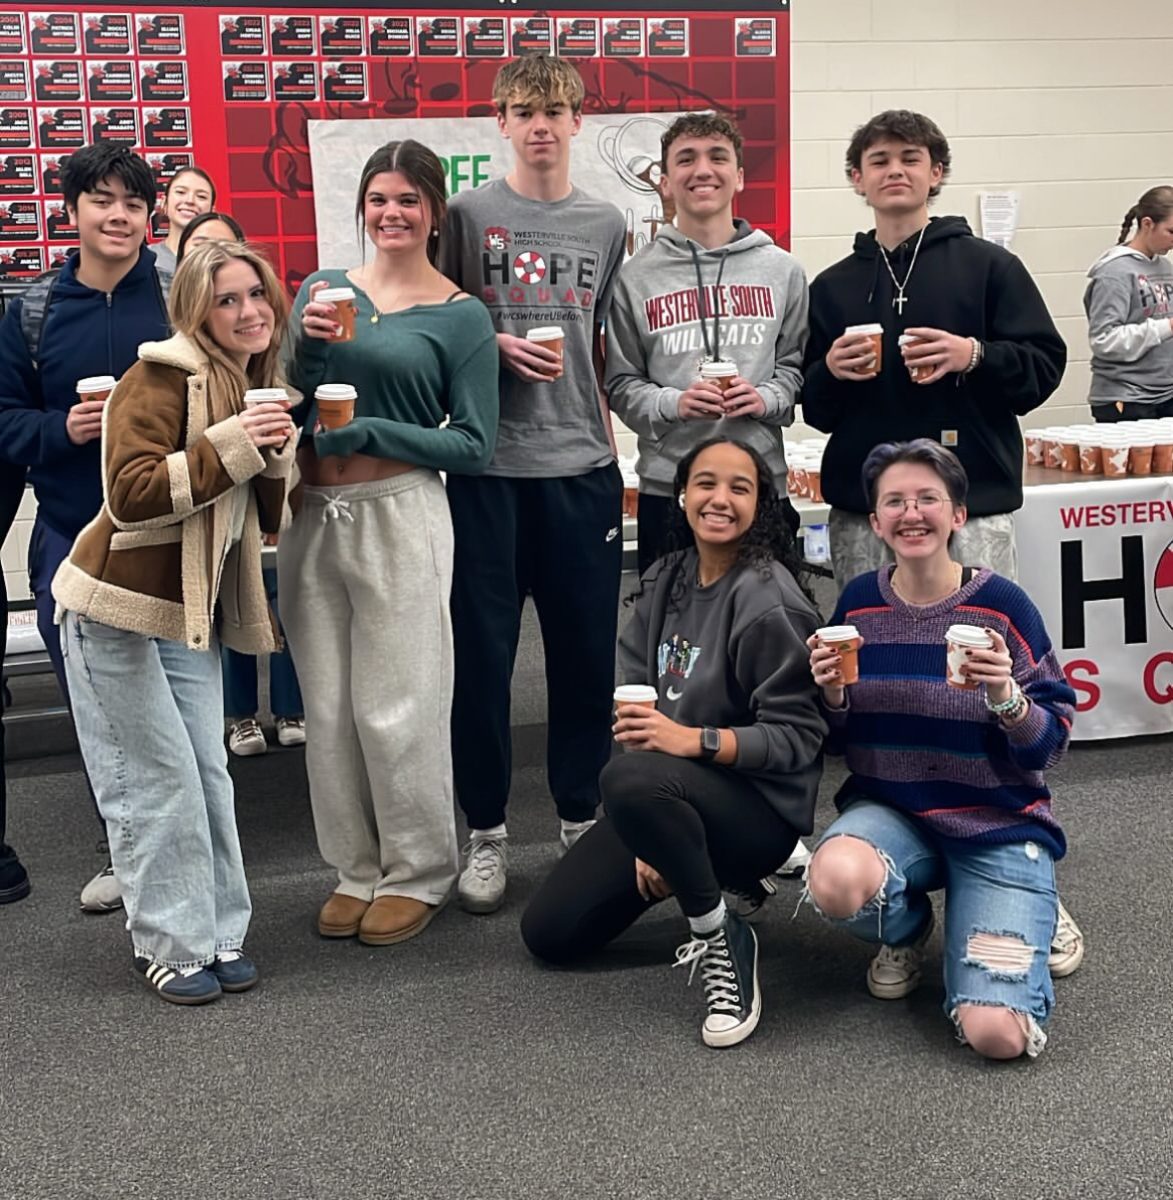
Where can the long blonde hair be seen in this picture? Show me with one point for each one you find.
(193, 293)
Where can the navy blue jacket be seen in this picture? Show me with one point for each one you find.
(85, 332)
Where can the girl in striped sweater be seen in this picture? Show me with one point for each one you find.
(946, 787)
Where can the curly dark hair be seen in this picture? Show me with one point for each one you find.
(772, 537)
(901, 125)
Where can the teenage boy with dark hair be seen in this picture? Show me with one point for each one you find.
(986, 352)
(88, 320)
(546, 516)
(709, 287)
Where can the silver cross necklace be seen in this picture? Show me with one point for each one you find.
(899, 300)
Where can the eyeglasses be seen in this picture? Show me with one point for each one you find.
(927, 503)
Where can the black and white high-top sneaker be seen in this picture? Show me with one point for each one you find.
(728, 961)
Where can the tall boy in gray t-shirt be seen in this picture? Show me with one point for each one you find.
(546, 516)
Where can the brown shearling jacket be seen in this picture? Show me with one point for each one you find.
(157, 558)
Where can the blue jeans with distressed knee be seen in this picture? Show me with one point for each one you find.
(991, 891)
(149, 719)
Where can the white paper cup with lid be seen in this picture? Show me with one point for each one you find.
(344, 309)
(720, 371)
(95, 387)
(335, 403)
(845, 641)
(959, 639)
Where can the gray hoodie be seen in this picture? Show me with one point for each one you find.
(656, 343)
(1129, 306)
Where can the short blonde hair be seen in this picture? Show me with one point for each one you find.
(540, 80)
(193, 293)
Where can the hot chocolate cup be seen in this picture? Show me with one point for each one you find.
(876, 333)
(552, 337)
(960, 638)
(1140, 455)
(642, 694)
(845, 641)
(720, 372)
(1115, 458)
(344, 309)
(95, 387)
(1034, 448)
(335, 402)
(1068, 453)
(917, 373)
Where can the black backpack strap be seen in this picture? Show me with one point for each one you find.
(34, 304)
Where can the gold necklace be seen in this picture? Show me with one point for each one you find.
(953, 587)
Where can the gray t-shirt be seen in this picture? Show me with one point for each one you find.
(536, 263)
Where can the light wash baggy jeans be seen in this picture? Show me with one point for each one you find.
(149, 717)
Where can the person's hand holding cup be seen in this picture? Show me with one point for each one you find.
(632, 700)
(835, 661)
(549, 338)
(83, 422)
(857, 353)
(330, 313)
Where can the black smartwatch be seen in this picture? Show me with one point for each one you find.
(710, 742)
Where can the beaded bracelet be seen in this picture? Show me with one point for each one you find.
(1008, 707)
(975, 356)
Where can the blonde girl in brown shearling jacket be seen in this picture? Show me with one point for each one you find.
(169, 567)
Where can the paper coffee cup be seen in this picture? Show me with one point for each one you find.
(721, 372)
(961, 638)
(1140, 454)
(876, 333)
(1115, 457)
(552, 337)
(266, 396)
(335, 403)
(845, 641)
(344, 309)
(637, 693)
(1034, 448)
(1091, 454)
(95, 387)
(1163, 454)
(1068, 452)
(915, 373)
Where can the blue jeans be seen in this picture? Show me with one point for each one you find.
(149, 718)
(1003, 890)
(240, 675)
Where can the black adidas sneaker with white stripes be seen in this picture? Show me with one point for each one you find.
(193, 985)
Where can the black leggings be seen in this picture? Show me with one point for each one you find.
(703, 827)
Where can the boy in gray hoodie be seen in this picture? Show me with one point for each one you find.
(1129, 306)
(709, 287)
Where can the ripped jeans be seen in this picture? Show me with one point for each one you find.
(1004, 890)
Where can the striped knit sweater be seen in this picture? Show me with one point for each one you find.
(934, 751)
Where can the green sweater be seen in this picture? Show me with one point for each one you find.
(412, 370)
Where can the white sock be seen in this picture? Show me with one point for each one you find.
(496, 834)
(709, 923)
(576, 826)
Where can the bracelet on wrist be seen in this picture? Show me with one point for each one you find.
(1008, 706)
(975, 355)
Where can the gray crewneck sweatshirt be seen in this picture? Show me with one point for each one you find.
(656, 343)
(733, 655)
(1129, 306)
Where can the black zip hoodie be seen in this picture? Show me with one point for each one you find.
(965, 286)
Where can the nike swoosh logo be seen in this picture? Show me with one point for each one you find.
(612, 533)
(673, 694)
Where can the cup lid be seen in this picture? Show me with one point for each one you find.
(544, 333)
(335, 391)
(636, 693)
(95, 383)
(905, 338)
(718, 368)
(332, 294)
(836, 633)
(874, 327)
(261, 395)
(969, 635)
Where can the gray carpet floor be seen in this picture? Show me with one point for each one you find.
(454, 1066)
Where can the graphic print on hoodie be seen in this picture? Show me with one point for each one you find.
(753, 297)
(1129, 306)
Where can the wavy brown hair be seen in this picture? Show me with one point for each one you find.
(193, 293)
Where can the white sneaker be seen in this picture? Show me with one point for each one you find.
(481, 888)
(103, 893)
(895, 972)
(1066, 946)
(796, 863)
(246, 738)
(571, 831)
(291, 731)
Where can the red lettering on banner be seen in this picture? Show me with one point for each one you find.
(1090, 690)
(1156, 695)
(1093, 518)
(1138, 512)
(1072, 516)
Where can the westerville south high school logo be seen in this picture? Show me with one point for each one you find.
(1163, 585)
(530, 267)
(496, 238)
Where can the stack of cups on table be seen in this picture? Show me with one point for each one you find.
(804, 464)
(1142, 447)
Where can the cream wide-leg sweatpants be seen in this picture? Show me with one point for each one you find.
(364, 576)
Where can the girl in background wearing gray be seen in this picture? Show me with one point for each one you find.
(366, 570)
(1129, 306)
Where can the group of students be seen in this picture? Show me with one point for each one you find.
(402, 593)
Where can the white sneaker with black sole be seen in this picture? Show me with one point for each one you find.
(728, 961)
(246, 738)
(895, 972)
(103, 893)
(481, 887)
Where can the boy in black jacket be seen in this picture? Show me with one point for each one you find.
(986, 350)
